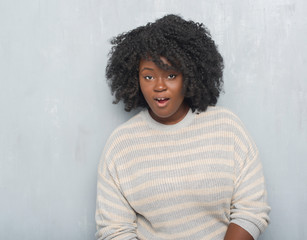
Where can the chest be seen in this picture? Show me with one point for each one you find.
(172, 172)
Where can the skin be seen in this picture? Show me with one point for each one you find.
(235, 232)
(157, 83)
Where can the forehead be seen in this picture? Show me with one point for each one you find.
(148, 63)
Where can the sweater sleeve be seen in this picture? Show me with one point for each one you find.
(115, 219)
(249, 208)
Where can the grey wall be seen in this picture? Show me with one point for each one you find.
(56, 111)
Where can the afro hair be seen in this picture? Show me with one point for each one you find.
(187, 45)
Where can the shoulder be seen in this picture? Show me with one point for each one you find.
(225, 121)
(130, 125)
(219, 114)
(123, 135)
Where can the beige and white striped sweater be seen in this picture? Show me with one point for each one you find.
(183, 181)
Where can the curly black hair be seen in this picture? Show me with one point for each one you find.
(187, 45)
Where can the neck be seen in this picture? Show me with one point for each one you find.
(175, 118)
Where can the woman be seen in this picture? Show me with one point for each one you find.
(182, 168)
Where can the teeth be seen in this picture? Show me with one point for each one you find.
(161, 99)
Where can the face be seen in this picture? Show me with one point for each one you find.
(162, 90)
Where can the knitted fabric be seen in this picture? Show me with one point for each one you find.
(183, 181)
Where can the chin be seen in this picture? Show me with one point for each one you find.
(161, 114)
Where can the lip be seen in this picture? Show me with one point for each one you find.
(161, 101)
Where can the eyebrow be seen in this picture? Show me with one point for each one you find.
(146, 69)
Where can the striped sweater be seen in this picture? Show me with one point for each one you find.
(183, 181)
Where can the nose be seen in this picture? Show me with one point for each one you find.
(160, 85)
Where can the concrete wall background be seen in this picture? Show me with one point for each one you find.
(56, 111)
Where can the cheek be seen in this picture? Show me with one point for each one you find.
(141, 86)
(144, 89)
(178, 89)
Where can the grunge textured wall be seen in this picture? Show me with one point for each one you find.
(56, 110)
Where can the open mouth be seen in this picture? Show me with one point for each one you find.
(161, 100)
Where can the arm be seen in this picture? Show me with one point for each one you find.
(249, 209)
(235, 232)
(115, 219)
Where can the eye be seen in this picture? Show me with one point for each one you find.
(148, 77)
(171, 76)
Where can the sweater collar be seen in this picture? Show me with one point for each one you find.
(160, 126)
